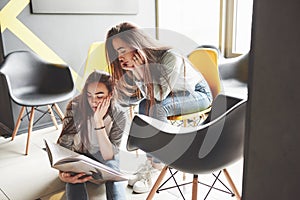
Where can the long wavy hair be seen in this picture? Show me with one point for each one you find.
(137, 39)
(83, 111)
(84, 108)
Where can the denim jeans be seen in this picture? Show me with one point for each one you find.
(177, 103)
(114, 190)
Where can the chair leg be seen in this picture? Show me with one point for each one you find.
(52, 116)
(184, 123)
(59, 112)
(131, 112)
(183, 176)
(195, 187)
(29, 129)
(131, 115)
(157, 183)
(232, 185)
(18, 123)
(137, 153)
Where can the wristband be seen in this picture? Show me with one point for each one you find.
(102, 127)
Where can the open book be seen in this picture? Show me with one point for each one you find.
(66, 160)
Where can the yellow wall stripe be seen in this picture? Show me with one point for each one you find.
(33, 42)
(10, 11)
(9, 21)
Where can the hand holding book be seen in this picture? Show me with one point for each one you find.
(66, 160)
(71, 177)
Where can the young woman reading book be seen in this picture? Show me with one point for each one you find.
(93, 125)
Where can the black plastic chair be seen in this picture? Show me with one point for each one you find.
(33, 82)
(204, 149)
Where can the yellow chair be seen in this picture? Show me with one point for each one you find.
(96, 59)
(205, 60)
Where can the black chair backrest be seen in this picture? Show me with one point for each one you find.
(202, 149)
(26, 73)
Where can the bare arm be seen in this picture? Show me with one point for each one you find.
(105, 145)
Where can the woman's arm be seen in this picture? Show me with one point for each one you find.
(167, 74)
(66, 138)
(105, 145)
(109, 143)
(119, 127)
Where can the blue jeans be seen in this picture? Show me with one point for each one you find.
(114, 190)
(177, 103)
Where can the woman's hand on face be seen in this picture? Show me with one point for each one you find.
(102, 108)
(139, 57)
(77, 178)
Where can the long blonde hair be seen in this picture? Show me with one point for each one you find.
(137, 39)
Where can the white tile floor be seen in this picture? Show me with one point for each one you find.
(31, 177)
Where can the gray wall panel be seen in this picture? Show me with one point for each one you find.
(272, 149)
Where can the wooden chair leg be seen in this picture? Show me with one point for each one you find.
(185, 123)
(29, 129)
(183, 176)
(52, 116)
(195, 187)
(18, 123)
(131, 112)
(157, 183)
(232, 185)
(59, 112)
(137, 153)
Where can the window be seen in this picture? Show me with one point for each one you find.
(223, 23)
(242, 26)
(196, 19)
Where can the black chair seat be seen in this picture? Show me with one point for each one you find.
(33, 98)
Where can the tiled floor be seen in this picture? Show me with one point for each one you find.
(31, 177)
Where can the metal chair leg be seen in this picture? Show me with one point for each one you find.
(159, 185)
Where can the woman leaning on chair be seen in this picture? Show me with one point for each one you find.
(164, 82)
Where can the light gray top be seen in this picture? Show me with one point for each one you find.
(173, 73)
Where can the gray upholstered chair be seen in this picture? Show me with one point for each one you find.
(34, 82)
(208, 148)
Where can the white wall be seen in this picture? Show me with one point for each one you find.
(69, 36)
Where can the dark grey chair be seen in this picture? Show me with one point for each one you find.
(33, 82)
(235, 68)
(205, 149)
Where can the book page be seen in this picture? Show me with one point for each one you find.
(58, 152)
(66, 160)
